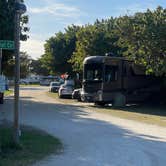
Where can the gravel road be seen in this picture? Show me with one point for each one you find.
(90, 138)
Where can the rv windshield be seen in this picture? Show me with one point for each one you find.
(93, 72)
(111, 73)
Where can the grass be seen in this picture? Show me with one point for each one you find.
(8, 92)
(150, 114)
(55, 96)
(29, 85)
(143, 113)
(35, 145)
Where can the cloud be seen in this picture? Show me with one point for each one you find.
(34, 47)
(57, 9)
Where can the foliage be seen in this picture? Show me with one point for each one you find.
(25, 62)
(7, 12)
(96, 39)
(34, 146)
(36, 67)
(7, 27)
(58, 50)
(140, 37)
(144, 35)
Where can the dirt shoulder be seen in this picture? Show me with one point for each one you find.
(150, 114)
(155, 115)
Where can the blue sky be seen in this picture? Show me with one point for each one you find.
(46, 17)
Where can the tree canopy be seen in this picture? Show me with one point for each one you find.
(7, 11)
(25, 66)
(140, 37)
(58, 50)
(144, 36)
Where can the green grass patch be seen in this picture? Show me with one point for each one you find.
(53, 95)
(150, 114)
(35, 85)
(64, 100)
(34, 145)
(8, 92)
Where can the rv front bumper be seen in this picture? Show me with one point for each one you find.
(92, 97)
(87, 97)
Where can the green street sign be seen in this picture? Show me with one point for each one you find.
(7, 44)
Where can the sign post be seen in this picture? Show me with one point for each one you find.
(20, 9)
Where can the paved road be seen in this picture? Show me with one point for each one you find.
(90, 138)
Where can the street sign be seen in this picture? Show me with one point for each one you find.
(7, 44)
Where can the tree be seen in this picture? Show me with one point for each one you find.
(140, 37)
(7, 28)
(144, 36)
(97, 39)
(36, 67)
(58, 50)
(25, 62)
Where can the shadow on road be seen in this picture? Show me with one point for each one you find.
(79, 131)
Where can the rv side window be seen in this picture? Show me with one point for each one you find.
(137, 70)
(111, 73)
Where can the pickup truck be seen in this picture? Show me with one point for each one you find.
(2, 88)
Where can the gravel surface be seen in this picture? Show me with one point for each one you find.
(89, 138)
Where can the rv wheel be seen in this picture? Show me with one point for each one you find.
(119, 100)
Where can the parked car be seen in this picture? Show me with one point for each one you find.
(65, 90)
(46, 80)
(77, 94)
(24, 81)
(30, 80)
(54, 86)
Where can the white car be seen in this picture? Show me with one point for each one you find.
(54, 86)
(65, 90)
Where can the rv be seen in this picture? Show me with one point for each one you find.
(115, 80)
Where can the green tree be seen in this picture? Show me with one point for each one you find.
(58, 50)
(140, 37)
(144, 36)
(25, 62)
(97, 39)
(36, 67)
(7, 12)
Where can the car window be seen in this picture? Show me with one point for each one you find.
(55, 84)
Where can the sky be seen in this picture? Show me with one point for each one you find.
(47, 17)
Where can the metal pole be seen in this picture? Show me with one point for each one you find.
(0, 74)
(17, 77)
(0, 61)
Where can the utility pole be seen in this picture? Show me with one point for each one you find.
(19, 9)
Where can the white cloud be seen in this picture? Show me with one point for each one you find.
(34, 47)
(57, 9)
